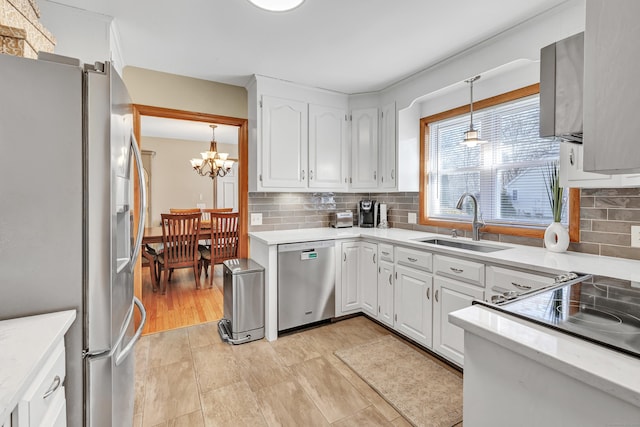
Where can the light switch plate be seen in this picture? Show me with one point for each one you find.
(412, 218)
(635, 236)
(256, 219)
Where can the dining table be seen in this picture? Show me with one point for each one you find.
(154, 234)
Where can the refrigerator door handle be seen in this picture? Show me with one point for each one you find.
(127, 349)
(143, 202)
(100, 354)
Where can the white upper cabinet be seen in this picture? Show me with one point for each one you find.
(364, 149)
(611, 95)
(387, 163)
(327, 147)
(284, 143)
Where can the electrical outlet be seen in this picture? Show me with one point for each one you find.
(256, 219)
(635, 236)
(412, 218)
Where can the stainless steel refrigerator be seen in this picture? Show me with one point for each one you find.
(67, 165)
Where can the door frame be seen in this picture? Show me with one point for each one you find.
(243, 178)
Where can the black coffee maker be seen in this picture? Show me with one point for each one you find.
(368, 215)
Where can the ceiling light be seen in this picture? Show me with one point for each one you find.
(471, 137)
(277, 5)
(212, 163)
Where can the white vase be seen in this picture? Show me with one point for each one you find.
(556, 237)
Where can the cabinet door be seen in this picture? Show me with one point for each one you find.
(572, 173)
(388, 147)
(450, 295)
(327, 147)
(284, 143)
(364, 148)
(350, 271)
(385, 292)
(413, 311)
(611, 96)
(368, 277)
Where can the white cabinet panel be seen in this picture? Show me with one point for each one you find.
(364, 149)
(284, 143)
(387, 161)
(413, 309)
(385, 292)
(327, 147)
(368, 277)
(572, 173)
(449, 296)
(351, 293)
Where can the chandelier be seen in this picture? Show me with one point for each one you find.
(212, 163)
(471, 136)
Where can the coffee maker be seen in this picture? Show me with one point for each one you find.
(368, 213)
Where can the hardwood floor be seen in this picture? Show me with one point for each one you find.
(183, 305)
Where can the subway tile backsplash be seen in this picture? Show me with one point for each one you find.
(606, 216)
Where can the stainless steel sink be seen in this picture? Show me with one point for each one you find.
(476, 247)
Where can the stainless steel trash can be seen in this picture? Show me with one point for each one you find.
(243, 287)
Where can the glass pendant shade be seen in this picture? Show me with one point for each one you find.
(277, 5)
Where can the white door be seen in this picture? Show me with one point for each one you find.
(364, 148)
(451, 295)
(368, 276)
(284, 143)
(413, 310)
(227, 189)
(350, 285)
(385, 292)
(327, 148)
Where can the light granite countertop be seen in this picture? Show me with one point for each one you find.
(25, 343)
(611, 371)
(519, 256)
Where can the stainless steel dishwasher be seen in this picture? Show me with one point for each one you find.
(306, 283)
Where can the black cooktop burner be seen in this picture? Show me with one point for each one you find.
(602, 310)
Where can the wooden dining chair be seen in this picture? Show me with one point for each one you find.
(151, 257)
(206, 215)
(224, 241)
(180, 245)
(184, 211)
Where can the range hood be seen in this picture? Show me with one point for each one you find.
(561, 90)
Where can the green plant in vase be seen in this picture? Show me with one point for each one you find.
(556, 236)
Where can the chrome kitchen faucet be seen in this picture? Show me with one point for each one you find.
(475, 224)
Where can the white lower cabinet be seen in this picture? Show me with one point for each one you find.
(385, 292)
(412, 303)
(350, 295)
(448, 296)
(368, 277)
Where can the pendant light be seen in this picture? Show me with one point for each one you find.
(212, 163)
(277, 5)
(471, 136)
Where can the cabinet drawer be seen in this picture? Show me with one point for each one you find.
(513, 280)
(385, 252)
(47, 383)
(412, 258)
(463, 270)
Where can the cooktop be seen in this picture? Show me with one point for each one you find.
(602, 310)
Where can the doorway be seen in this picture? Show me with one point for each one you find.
(204, 305)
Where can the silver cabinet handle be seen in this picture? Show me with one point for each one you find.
(390, 282)
(53, 387)
(571, 156)
(345, 257)
(385, 253)
(311, 175)
(375, 175)
(374, 258)
(393, 173)
(436, 295)
(412, 259)
(302, 174)
(519, 286)
(456, 270)
(379, 270)
(382, 178)
(428, 293)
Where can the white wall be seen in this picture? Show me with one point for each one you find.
(174, 183)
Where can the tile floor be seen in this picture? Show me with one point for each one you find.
(189, 377)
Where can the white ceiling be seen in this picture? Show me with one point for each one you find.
(350, 46)
(186, 130)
